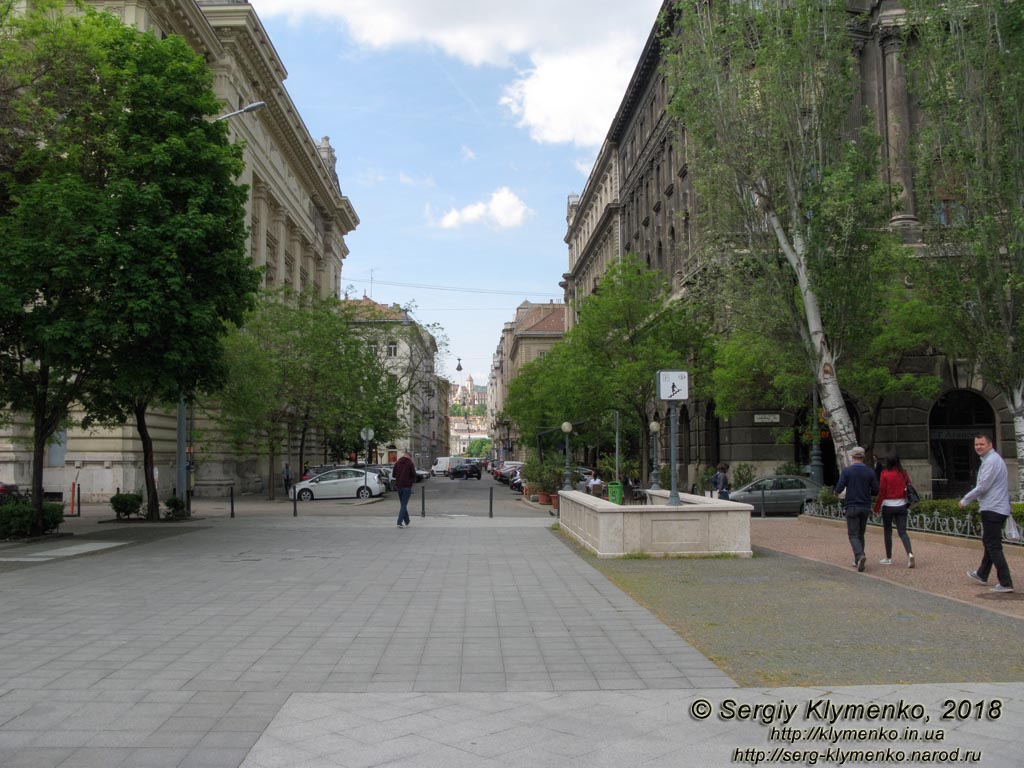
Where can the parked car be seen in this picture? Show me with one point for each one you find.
(319, 469)
(465, 469)
(384, 470)
(343, 483)
(8, 490)
(501, 473)
(422, 474)
(441, 465)
(782, 494)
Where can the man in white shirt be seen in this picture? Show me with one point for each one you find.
(993, 494)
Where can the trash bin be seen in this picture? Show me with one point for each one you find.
(615, 492)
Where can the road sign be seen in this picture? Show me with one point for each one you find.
(673, 386)
(366, 433)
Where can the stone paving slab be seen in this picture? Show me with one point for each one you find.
(646, 728)
(335, 639)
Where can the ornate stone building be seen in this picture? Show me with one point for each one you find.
(638, 199)
(298, 217)
(535, 329)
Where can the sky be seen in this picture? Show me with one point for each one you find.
(461, 128)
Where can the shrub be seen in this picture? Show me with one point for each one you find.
(17, 517)
(176, 508)
(789, 468)
(126, 504)
(827, 497)
(743, 474)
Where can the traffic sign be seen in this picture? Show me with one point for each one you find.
(673, 386)
(366, 433)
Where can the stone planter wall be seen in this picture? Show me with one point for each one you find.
(698, 527)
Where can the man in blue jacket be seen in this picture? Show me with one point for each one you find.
(860, 483)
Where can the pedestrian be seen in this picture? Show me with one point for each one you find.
(287, 475)
(404, 474)
(992, 492)
(720, 482)
(860, 484)
(892, 501)
(878, 466)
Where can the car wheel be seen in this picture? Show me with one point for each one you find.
(364, 493)
(305, 495)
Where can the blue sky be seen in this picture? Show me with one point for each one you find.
(461, 127)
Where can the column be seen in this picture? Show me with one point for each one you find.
(897, 125)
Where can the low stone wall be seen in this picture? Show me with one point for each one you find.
(698, 527)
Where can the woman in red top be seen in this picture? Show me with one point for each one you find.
(892, 500)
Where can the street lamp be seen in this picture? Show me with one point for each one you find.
(655, 429)
(182, 473)
(567, 428)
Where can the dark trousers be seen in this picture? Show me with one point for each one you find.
(992, 537)
(403, 500)
(899, 516)
(856, 524)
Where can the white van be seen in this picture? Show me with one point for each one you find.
(441, 465)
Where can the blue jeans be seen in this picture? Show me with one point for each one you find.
(403, 499)
(856, 524)
(992, 538)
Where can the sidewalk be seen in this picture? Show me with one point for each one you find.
(335, 640)
(942, 562)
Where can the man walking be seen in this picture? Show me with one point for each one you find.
(860, 484)
(404, 474)
(287, 476)
(992, 491)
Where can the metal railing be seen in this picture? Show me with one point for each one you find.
(966, 528)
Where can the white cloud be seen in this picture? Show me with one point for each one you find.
(411, 181)
(584, 166)
(468, 155)
(504, 210)
(568, 93)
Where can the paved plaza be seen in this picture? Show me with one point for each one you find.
(335, 639)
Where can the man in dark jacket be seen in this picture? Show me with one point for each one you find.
(860, 484)
(404, 475)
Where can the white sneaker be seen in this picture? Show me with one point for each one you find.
(886, 561)
(910, 560)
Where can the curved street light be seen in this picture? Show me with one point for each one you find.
(655, 428)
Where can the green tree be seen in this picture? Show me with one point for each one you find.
(627, 332)
(479, 447)
(297, 365)
(785, 194)
(967, 73)
(120, 222)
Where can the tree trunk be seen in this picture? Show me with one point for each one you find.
(1016, 399)
(271, 495)
(39, 436)
(840, 424)
(152, 495)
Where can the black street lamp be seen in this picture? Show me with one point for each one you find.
(567, 429)
(655, 429)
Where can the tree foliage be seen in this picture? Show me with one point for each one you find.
(297, 365)
(121, 224)
(608, 362)
(967, 73)
(787, 195)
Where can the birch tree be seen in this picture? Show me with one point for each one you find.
(763, 90)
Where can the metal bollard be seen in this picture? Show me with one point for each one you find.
(423, 501)
(232, 501)
(295, 505)
(490, 502)
(78, 491)
(762, 503)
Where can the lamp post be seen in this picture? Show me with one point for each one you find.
(567, 429)
(182, 473)
(655, 427)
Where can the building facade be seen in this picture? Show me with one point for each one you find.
(639, 199)
(298, 217)
(535, 329)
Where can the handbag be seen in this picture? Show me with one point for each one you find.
(1012, 532)
(912, 495)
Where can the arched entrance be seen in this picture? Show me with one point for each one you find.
(952, 424)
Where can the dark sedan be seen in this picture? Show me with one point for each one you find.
(779, 494)
(465, 470)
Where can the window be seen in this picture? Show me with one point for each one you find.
(392, 349)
